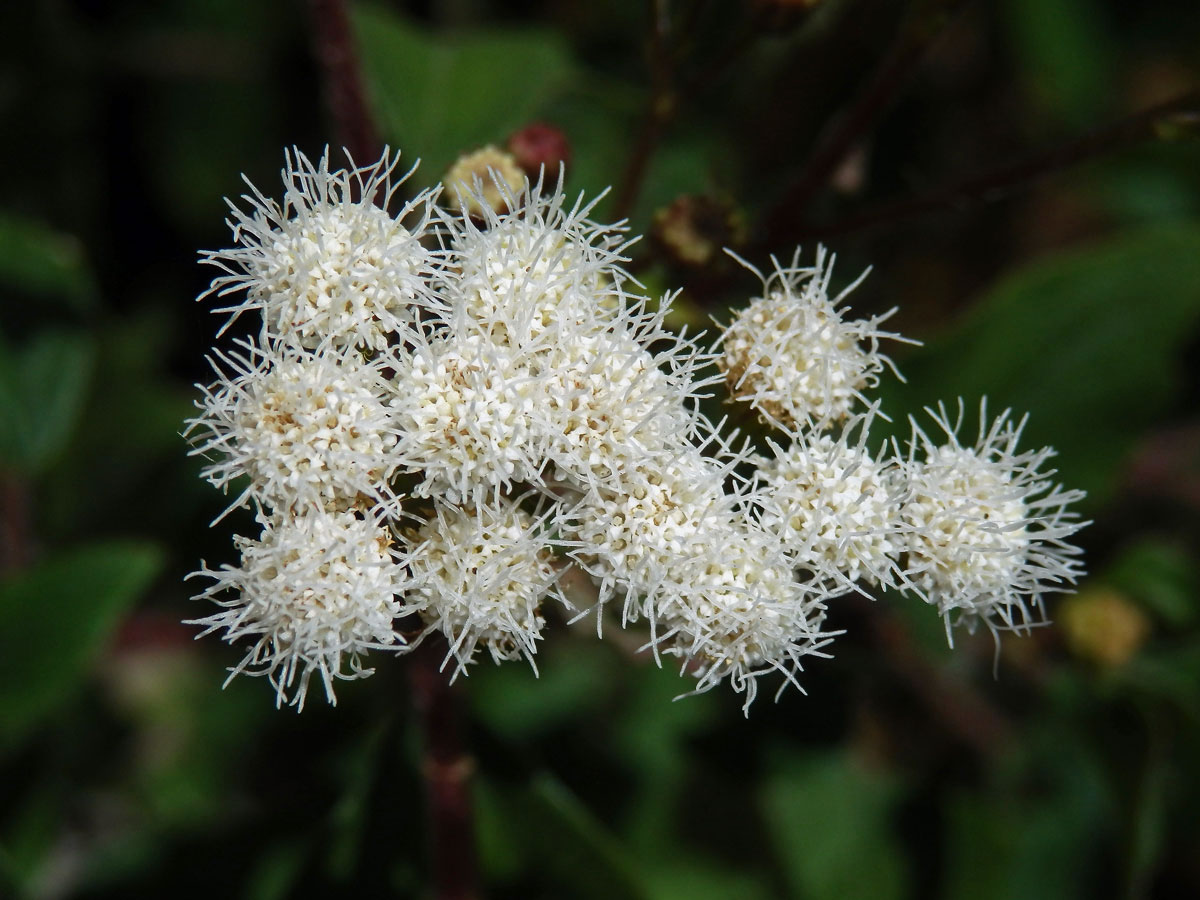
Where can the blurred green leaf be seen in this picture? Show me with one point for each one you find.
(1065, 54)
(574, 678)
(500, 846)
(349, 818)
(830, 818)
(41, 393)
(275, 876)
(1162, 576)
(651, 739)
(55, 618)
(1170, 674)
(577, 847)
(543, 826)
(438, 95)
(1089, 342)
(656, 721)
(1030, 835)
(37, 260)
(699, 878)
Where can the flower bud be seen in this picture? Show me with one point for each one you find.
(693, 229)
(487, 177)
(539, 147)
(1104, 626)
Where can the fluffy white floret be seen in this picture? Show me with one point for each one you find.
(484, 573)
(472, 415)
(794, 356)
(537, 262)
(986, 529)
(835, 507)
(312, 594)
(330, 264)
(632, 539)
(740, 614)
(305, 429)
(612, 406)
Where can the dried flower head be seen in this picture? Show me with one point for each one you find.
(482, 181)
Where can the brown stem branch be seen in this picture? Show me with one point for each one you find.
(660, 109)
(952, 703)
(447, 769)
(446, 764)
(333, 42)
(852, 124)
(1182, 113)
(16, 530)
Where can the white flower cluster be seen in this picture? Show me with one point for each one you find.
(441, 412)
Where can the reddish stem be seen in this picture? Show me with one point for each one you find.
(446, 765)
(854, 123)
(447, 769)
(659, 111)
(1181, 114)
(16, 531)
(954, 704)
(333, 40)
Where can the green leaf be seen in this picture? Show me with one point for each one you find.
(37, 260)
(1162, 576)
(574, 677)
(1170, 674)
(1036, 832)
(830, 820)
(1089, 342)
(440, 95)
(578, 848)
(1065, 54)
(41, 393)
(701, 878)
(277, 872)
(543, 828)
(54, 620)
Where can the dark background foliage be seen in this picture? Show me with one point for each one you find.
(1068, 287)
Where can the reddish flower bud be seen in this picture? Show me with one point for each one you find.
(540, 144)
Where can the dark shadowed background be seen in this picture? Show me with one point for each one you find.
(1024, 177)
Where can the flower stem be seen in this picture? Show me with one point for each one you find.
(851, 125)
(447, 770)
(446, 765)
(333, 41)
(16, 545)
(660, 109)
(1162, 122)
(961, 711)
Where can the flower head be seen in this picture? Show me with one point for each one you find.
(308, 429)
(792, 353)
(484, 573)
(472, 416)
(985, 528)
(741, 614)
(312, 594)
(329, 265)
(834, 506)
(536, 263)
